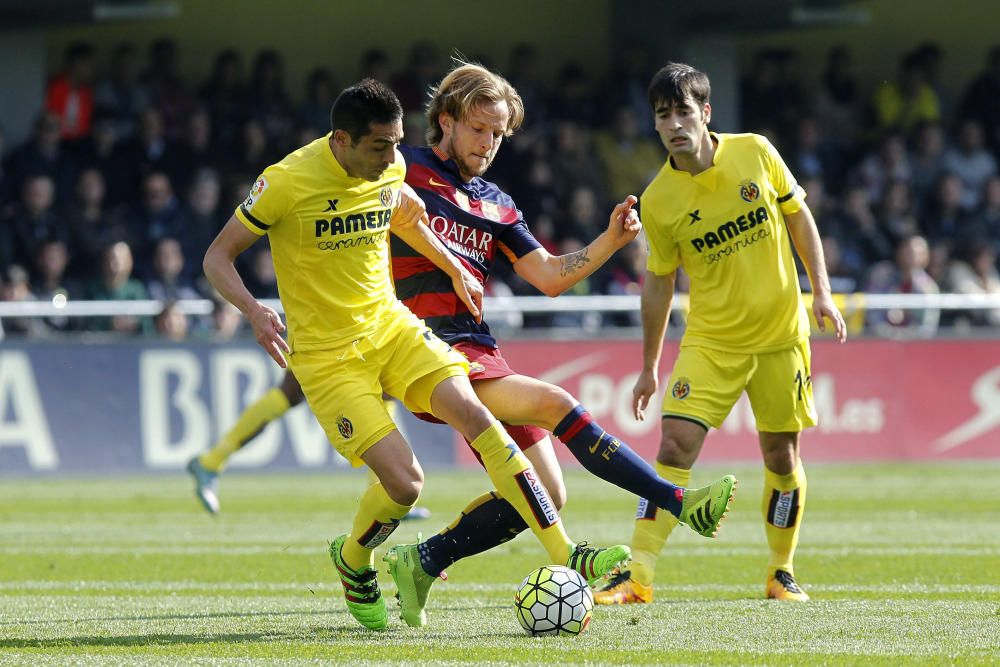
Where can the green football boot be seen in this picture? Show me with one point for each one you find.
(413, 584)
(593, 563)
(703, 509)
(364, 599)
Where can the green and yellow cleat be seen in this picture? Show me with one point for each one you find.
(704, 509)
(593, 563)
(364, 599)
(781, 585)
(413, 584)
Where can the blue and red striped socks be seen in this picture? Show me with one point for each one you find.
(614, 461)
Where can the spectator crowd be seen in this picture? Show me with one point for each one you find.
(131, 171)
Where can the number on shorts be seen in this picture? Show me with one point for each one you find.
(802, 379)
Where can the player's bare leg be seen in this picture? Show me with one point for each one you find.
(383, 505)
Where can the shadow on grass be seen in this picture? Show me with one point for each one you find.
(172, 617)
(165, 639)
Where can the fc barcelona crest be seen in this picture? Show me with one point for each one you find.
(749, 191)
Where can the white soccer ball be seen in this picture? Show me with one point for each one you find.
(554, 600)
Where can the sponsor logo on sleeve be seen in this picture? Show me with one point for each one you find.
(259, 186)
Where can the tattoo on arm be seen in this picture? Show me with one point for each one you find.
(573, 262)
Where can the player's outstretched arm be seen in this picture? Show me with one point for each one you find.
(805, 236)
(220, 269)
(657, 296)
(554, 274)
(409, 222)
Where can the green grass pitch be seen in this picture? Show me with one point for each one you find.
(902, 561)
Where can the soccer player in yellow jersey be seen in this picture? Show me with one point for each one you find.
(726, 209)
(327, 209)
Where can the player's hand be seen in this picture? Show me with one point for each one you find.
(644, 389)
(267, 329)
(824, 307)
(470, 291)
(409, 209)
(624, 224)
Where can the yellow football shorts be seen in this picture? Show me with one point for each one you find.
(705, 385)
(344, 385)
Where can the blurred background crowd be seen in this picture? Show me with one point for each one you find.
(131, 171)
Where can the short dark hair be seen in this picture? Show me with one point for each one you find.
(676, 82)
(367, 101)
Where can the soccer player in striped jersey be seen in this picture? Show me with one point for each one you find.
(470, 113)
(727, 209)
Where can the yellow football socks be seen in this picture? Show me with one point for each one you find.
(518, 483)
(378, 515)
(269, 407)
(783, 504)
(652, 528)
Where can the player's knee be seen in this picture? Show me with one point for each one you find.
(554, 404)
(455, 402)
(675, 452)
(780, 461)
(409, 494)
(471, 418)
(405, 490)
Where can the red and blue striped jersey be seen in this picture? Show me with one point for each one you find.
(477, 222)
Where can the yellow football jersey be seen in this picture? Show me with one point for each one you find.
(329, 240)
(726, 227)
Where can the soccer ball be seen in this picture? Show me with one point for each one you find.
(554, 600)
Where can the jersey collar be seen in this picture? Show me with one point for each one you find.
(709, 177)
(450, 167)
(335, 166)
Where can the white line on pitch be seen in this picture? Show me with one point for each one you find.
(184, 585)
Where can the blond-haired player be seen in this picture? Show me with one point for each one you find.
(470, 112)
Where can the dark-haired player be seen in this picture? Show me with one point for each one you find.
(327, 209)
(727, 209)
